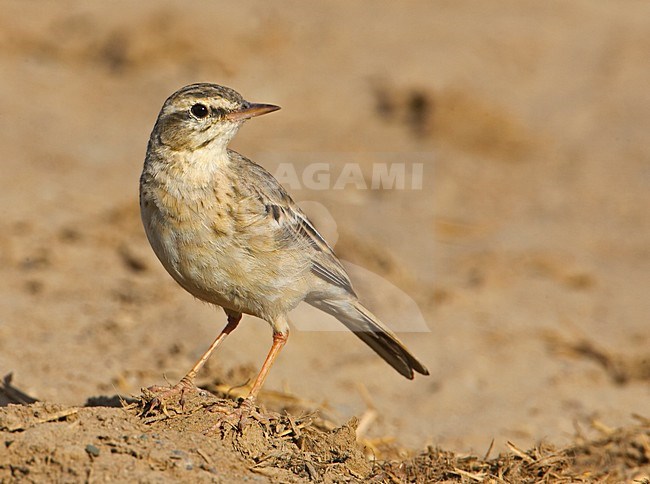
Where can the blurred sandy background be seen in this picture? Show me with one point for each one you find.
(527, 249)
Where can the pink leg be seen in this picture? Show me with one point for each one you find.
(279, 339)
(233, 321)
(187, 382)
(239, 416)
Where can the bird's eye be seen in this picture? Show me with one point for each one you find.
(199, 110)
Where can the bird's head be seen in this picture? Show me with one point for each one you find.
(200, 115)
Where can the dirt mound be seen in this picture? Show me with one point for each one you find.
(212, 439)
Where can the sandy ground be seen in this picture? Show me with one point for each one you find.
(525, 249)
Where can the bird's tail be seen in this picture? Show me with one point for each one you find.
(371, 331)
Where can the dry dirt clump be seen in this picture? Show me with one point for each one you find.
(276, 445)
(211, 439)
(622, 456)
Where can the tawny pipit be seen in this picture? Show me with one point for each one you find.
(229, 234)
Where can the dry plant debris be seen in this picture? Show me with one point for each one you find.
(200, 442)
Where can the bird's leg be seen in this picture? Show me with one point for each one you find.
(239, 416)
(279, 339)
(187, 382)
(233, 321)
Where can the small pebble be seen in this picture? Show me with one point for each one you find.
(92, 450)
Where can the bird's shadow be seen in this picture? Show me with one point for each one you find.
(12, 395)
(113, 401)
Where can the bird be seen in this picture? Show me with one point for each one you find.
(229, 234)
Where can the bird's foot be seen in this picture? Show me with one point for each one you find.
(156, 398)
(237, 417)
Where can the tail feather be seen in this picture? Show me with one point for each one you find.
(372, 332)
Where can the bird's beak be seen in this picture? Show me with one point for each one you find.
(251, 111)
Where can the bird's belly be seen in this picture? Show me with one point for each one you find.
(221, 269)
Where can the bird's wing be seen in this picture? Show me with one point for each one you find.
(295, 224)
(270, 208)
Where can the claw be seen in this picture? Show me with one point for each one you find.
(159, 396)
(239, 417)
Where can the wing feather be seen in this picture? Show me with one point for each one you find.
(289, 224)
